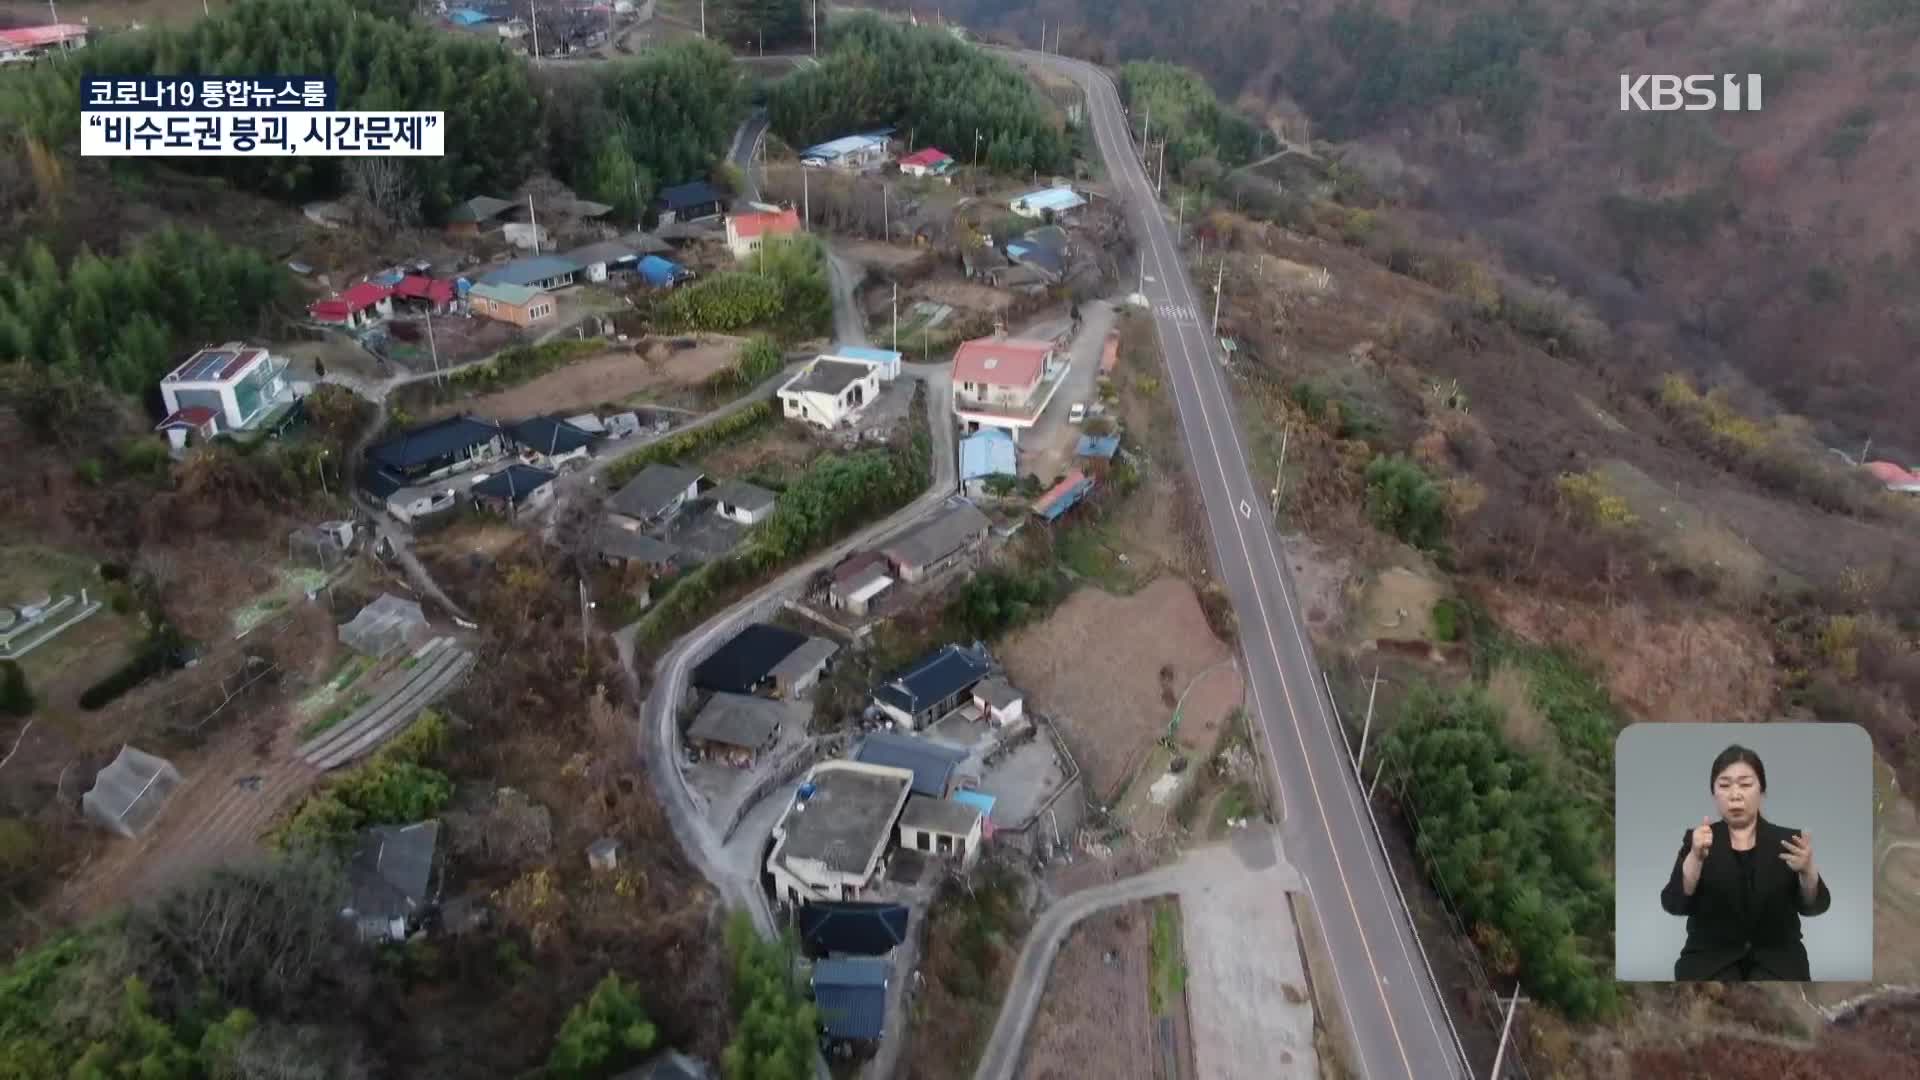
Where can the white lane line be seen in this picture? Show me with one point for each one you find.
(1156, 243)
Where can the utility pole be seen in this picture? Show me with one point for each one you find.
(816, 29)
(1219, 281)
(806, 201)
(1180, 222)
(1146, 129)
(976, 146)
(1501, 1054)
(703, 18)
(432, 349)
(535, 222)
(1377, 770)
(1367, 726)
(533, 16)
(1163, 168)
(896, 316)
(1280, 472)
(1866, 449)
(586, 626)
(886, 216)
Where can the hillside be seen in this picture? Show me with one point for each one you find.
(1776, 245)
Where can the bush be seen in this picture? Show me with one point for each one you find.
(1404, 502)
(727, 301)
(606, 1032)
(16, 699)
(1446, 619)
(159, 652)
(784, 287)
(393, 787)
(1588, 496)
(760, 359)
(995, 600)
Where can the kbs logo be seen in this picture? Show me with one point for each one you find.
(1689, 93)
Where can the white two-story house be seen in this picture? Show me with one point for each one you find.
(1004, 383)
(228, 388)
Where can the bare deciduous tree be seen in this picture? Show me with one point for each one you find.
(384, 189)
(257, 935)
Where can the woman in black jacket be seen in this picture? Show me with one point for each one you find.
(1743, 883)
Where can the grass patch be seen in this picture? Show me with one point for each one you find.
(1088, 553)
(1167, 978)
(1237, 801)
(332, 717)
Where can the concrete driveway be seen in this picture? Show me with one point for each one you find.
(1046, 449)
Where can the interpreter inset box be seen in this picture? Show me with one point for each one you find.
(1743, 853)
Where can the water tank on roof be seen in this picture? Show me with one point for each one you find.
(807, 789)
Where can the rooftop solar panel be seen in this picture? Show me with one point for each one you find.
(204, 365)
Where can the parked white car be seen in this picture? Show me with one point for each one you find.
(1078, 413)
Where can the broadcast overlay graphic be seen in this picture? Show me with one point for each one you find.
(1744, 853)
(260, 116)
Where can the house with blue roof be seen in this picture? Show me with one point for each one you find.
(933, 687)
(985, 454)
(932, 764)
(1097, 447)
(885, 361)
(543, 272)
(1058, 201)
(850, 994)
(864, 151)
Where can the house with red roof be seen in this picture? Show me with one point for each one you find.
(425, 293)
(746, 232)
(360, 306)
(1004, 382)
(1895, 477)
(927, 162)
(224, 389)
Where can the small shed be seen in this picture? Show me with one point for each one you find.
(800, 672)
(748, 504)
(604, 854)
(385, 626)
(851, 995)
(998, 701)
(943, 827)
(735, 729)
(130, 792)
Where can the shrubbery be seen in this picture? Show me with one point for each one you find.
(393, 787)
(525, 362)
(1522, 862)
(995, 600)
(783, 288)
(16, 698)
(157, 653)
(1404, 502)
(760, 359)
(604, 1033)
(686, 444)
(774, 1030)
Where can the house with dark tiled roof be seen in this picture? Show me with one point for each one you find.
(412, 473)
(851, 927)
(392, 880)
(683, 203)
(932, 687)
(850, 993)
(543, 272)
(550, 441)
(515, 490)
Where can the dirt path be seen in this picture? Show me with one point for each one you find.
(610, 377)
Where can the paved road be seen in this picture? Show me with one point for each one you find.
(746, 146)
(1382, 982)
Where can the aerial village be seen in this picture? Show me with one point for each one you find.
(851, 781)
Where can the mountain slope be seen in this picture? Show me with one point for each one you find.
(1779, 245)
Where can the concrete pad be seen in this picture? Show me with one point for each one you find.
(1247, 994)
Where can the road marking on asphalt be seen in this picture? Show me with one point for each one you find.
(1246, 510)
(1273, 649)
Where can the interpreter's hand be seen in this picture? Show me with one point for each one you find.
(1799, 852)
(1702, 840)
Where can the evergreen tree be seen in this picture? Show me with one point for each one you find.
(606, 1032)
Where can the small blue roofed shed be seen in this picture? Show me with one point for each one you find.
(1097, 446)
(989, 452)
(851, 993)
(659, 272)
(979, 800)
(469, 17)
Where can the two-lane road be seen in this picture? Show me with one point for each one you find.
(1383, 986)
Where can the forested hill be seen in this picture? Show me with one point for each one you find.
(1780, 243)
